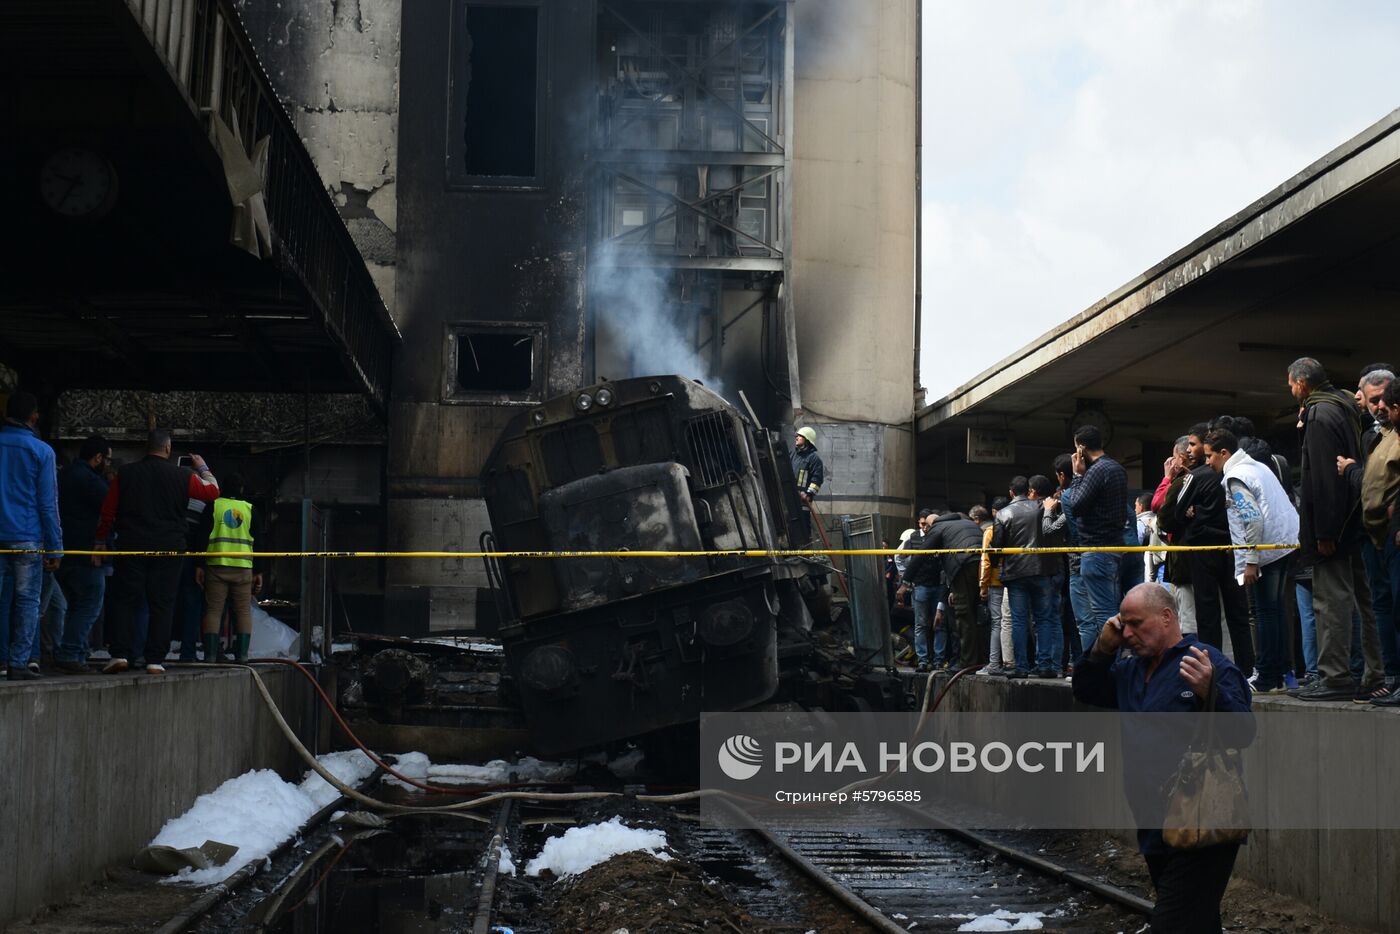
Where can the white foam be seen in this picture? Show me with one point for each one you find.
(1003, 920)
(419, 767)
(256, 812)
(579, 849)
(506, 865)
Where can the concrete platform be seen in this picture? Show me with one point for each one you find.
(1345, 874)
(94, 765)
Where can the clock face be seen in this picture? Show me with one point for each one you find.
(78, 183)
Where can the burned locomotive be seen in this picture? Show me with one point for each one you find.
(606, 648)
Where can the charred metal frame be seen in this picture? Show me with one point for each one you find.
(691, 90)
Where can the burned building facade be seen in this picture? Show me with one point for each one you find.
(554, 192)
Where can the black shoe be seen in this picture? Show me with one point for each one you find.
(1047, 674)
(23, 674)
(1318, 691)
(1366, 695)
(921, 667)
(1390, 700)
(73, 668)
(1017, 673)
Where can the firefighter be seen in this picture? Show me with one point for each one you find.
(807, 464)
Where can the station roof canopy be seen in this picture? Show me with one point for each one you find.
(167, 228)
(1310, 269)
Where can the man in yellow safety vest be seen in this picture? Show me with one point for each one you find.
(227, 575)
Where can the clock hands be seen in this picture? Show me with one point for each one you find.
(74, 182)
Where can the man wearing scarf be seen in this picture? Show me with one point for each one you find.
(1330, 527)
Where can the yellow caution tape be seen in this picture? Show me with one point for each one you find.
(741, 553)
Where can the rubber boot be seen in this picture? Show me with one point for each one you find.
(240, 646)
(211, 647)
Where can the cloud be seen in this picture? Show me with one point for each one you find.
(1069, 146)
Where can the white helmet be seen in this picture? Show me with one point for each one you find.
(905, 536)
(809, 433)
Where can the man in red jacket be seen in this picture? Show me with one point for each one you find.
(145, 507)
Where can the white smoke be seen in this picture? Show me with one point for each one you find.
(643, 328)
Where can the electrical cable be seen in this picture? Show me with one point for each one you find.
(457, 808)
(330, 705)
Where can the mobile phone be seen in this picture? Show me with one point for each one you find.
(184, 460)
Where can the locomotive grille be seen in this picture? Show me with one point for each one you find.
(643, 436)
(713, 455)
(571, 453)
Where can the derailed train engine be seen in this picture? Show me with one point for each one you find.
(607, 648)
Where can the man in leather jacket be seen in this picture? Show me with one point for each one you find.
(1029, 582)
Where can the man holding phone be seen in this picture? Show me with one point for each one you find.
(145, 507)
(1097, 499)
(1165, 671)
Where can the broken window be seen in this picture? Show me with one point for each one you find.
(496, 363)
(495, 94)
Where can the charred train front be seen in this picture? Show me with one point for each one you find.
(605, 648)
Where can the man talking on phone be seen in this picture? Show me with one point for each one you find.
(1163, 671)
(1097, 499)
(145, 508)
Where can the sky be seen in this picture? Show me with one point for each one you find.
(1070, 146)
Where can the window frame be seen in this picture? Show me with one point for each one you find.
(454, 394)
(456, 176)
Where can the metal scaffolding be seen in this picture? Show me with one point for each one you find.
(693, 160)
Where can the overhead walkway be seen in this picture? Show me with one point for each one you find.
(167, 228)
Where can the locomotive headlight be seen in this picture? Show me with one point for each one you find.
(725, 624)
(605, 397)
(584, 402)
(548, 668)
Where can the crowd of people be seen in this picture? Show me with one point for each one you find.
(51, 598)
(1311, 611)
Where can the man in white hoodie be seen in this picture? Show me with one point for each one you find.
(1260, 513)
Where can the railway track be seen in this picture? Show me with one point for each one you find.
(899, 879)
(443, 872)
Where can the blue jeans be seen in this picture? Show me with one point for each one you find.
(1099, 571)
(84, 585)
(1037, 597)
(189, 611)
(7, 599)
(1268, 617)
(1083, 613)
(925, 603)
(53, 610)
(1383, 603)
(23, 577)
(945, 640)
(1307, 623)
(1050, 646)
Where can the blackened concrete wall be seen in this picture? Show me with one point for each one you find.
(95, 766)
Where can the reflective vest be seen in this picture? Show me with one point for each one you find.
(232, 533)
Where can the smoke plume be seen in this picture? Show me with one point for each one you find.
(643, 328)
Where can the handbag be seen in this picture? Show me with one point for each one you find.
(1207, 803)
